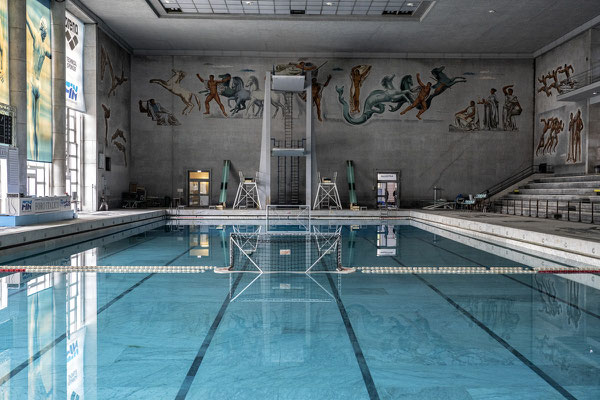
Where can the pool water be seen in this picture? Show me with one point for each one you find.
(82, 335)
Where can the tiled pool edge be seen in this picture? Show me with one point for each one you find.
(537, 243)
(51, 237)
(549, 244)
(45, 238)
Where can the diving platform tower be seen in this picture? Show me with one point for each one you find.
(289, 84)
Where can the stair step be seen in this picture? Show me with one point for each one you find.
(573, 217)
(551, 197)
(563, 185)
(554, 191)
(575, 178)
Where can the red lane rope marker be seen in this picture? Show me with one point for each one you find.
(569, 271)
(13, 270)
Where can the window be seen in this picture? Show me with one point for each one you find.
(73, 154)
(38, 178)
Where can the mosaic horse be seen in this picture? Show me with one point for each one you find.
(257, 98)
(443, 82)
(236, 92)
(173, 85)
(376, 100)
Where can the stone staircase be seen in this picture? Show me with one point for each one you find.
(574, 198)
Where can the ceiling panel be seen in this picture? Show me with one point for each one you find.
(451, 27)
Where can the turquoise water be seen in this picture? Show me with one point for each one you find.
(291, 336)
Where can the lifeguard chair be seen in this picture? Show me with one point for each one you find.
(327, 193)
(247, 193)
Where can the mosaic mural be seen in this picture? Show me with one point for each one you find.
(39, 81)
(4, 75)
(419, 98)
(115, 80)
(469, 118)
(547, 144)
(558, 79)
(156, 112)
(173, 85)
(575, 129)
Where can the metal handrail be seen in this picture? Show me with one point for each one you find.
(575, 211)
(584, 78)
(511, 180)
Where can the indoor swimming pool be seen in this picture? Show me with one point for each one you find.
(371, 334)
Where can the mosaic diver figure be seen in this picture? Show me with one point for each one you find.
(41, 51)
(358, 75)
(317, 92)
(567, 70)
(212, 85)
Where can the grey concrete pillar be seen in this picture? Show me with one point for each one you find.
(264, 171)
(90, 142)
(311, 146)
(18, 81)
(58, 186)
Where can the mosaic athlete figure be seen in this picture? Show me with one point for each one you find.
(212, 86)
(41, 51)
(421, 99)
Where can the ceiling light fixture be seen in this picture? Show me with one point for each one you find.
(595, 93)
(249, 2)
(410, 4)
(329, 4)
(491, 11)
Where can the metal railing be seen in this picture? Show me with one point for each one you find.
(575, 211)
(511, 180)
(582, 79)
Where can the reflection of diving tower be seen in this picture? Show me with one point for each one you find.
(247, 193)
(327, 193)
(288, 151)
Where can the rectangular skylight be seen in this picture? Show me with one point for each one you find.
(295, 7)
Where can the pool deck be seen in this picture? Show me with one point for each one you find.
(561, 238)
(49, 235)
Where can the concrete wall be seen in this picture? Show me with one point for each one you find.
(594, 107)
(428, 152)
(113, 133)
(576, 53)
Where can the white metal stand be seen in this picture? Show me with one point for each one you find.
(247, 193)
(327, 193)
